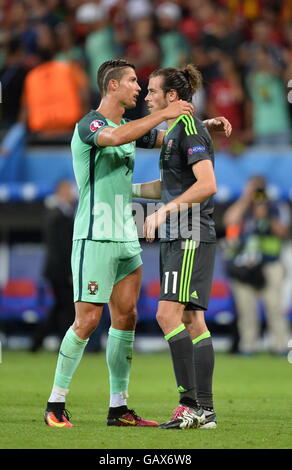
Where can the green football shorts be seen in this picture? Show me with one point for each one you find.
(98, 265)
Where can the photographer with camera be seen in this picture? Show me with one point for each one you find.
(255, 230)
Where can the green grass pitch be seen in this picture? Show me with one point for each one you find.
(252, 398)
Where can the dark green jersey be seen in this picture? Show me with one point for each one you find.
(186, 142)
(104, 178)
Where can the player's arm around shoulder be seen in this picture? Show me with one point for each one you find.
(114, 136)
(152, 140)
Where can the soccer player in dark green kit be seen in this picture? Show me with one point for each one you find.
(106, 262)
(186, 255)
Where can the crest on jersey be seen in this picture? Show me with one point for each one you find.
(169, 144)
(167, 151)
(92, 287)
(96, 124)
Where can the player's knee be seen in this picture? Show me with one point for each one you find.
(92, 321)
(131, 315)
(187, 318)
(127, 318)
(85, 326)
(161, 318)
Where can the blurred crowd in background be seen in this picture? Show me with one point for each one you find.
(242, 47)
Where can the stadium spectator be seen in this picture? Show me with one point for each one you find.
(12, 77)
(208, 62)
(225, 98)
(175, 48)
(100, 44)
(111, 28)
(54, 96)
(44, 12)
(71, 53)
(221, 34)
(261, 32)
(287, 56)
(18, 23)
(58, 231)
(203, 14)
(191, 24)
(256, 229)
(268, 107)
(143, 52)
(67, 49)
(249, 9)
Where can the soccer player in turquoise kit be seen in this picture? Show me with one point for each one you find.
(106, 262)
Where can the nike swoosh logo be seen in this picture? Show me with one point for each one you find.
(126, 421)
(54, 424)
(62, 354)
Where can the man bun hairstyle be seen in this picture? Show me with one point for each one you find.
(193, 76)
(111, 70)
(185, 81)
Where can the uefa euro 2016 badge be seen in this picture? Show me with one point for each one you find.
(92, 287)
(96, 124)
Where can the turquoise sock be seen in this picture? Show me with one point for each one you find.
(70, 354)
(119, 357)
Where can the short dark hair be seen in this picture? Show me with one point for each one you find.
(185, 81)
(112, 69)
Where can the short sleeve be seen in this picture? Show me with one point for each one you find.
(148, 140)
(89, 130)
(195, 148)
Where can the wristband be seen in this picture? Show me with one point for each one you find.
(136, 190)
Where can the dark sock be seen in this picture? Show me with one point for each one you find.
(181, 349)
(57, 408)
(204, 367)
(117, 411)
(189, 402)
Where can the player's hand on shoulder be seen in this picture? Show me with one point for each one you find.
(177, 108)
(220, 124)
